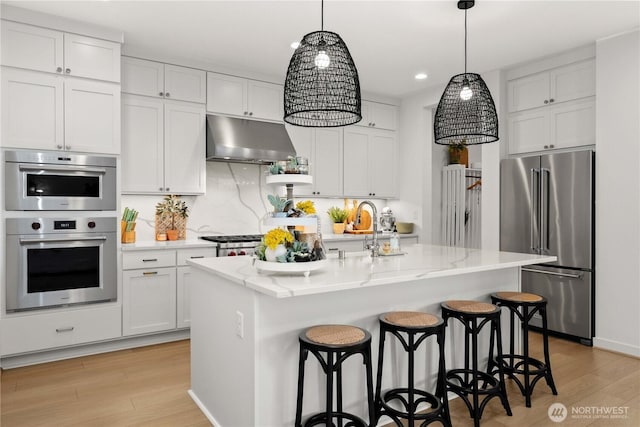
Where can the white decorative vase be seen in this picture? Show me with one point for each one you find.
(272, 254)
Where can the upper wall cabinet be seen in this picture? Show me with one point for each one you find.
(568, 83)
(236, 96)
(377, 115)
(150, 78)
(40, 49)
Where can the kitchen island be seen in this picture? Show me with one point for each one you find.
(245, 324)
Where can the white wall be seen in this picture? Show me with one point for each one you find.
(618, 193)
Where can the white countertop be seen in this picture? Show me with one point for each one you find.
(146, 245)
(356, 237)
(359, 270)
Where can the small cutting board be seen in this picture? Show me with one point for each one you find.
(359, 232)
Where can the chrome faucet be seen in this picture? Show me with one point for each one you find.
(375, 247)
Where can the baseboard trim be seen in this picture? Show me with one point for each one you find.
(26, 359)
(617, 347)
(204, 409)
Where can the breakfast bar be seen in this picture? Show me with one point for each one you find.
(245, 323)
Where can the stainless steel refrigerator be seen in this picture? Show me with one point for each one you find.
(547, 207)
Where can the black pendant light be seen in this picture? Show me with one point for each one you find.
(466, 112)
(322, 87)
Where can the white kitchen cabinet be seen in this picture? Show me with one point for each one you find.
(45, 330)
(148, 300)
(155, 79)
(156, 292)
(32, 110)
(91, 116)
(236, 96)
(378, 115)
(41, 49)
(44, 111)
(163, 147)
(548, 88)
(323, 148)
(369, 163)
(565, 125)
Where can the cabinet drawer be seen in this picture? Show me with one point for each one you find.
(148, 259)
(187, 254)
(51, 330)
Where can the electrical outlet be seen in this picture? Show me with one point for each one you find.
(239, 324)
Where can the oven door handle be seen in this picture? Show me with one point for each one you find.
(54, 168)
(62, 239)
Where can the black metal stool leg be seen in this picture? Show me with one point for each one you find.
(303, 358)
(503, 386)
(372, 406)
(339, 389)
(545, 339)
(525, 350)
(441, 390)
(474, 387)
(379, 373)
(329, 407)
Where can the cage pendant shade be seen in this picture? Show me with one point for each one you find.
(322, 89)
(473, 120)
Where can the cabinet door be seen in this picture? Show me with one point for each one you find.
(383, 116)
(573, 81)
(265, 100)
(92, 116)
(34, 48)
(32, 110)
(528, 131)
(528, 92)
(366, 110)
(184, 148)
(382, 164)
(356, 168)
(573, 124)
(327, 159)
(185, 84)
(302, 140)
(183, 298)
(91, 58)
(142, 144)
(148, 300)
(226, 94)
(142, 77)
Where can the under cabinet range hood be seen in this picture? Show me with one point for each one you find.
(246, 141)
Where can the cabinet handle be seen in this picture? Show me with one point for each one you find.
(68, 70)
(197, 257)
(168, 188)
(373, 194)
(160, 188)
(149, 273)
(161, 94)
(546, 101)
(59, 146)
(150, 260)
(551, 100)
(251, 113)
(246, 112)
(68, 329)
(374, 125)
(59, 70)
(551, 146)
(546, 146)
(167, 94)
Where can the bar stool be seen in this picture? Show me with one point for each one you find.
(332, 345)
(474, 316)
(417, 327)
(524, 306)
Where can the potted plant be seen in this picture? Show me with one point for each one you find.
(458, 153)
(274, 245)
(307, 207)
(279, 205)
(171, 206)
(338, 216)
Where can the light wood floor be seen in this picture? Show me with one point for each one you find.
(148, 387)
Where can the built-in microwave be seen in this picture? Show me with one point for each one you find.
(54, 262)
(57, 181)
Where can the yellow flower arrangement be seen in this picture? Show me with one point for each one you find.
(307, 207)
(276, 237)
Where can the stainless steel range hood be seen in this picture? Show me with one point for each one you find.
(246, 141)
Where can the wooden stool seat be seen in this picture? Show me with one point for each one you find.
(465, 306)
(335, 334)
(518, 296)
(411, 319)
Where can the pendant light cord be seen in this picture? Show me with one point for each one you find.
(322, 15)
(465, 41)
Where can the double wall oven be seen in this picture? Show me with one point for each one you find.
(59, 251)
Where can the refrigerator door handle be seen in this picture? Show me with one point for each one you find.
(544, 209)
(553, 273)
(534, 210)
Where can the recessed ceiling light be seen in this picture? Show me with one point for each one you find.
(295, 45)
(421, 76)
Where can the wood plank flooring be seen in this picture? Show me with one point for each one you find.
(148, 387)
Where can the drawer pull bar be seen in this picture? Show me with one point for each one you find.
(553, 273)
(149, 273)
(69, 329)
(150, 260)
(196, 257)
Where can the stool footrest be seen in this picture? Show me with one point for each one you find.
(402, 395)
(518, 363)
(465, 380)
(321, 419)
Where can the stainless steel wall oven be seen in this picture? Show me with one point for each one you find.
(54, 181)
(56, 262)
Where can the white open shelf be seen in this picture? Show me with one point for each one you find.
(295, 179)
(307, 221)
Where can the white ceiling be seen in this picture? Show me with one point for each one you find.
(390, 41)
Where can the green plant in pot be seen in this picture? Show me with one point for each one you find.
(279, 205)
(458, 153)
(338, 216)
(172, 206)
